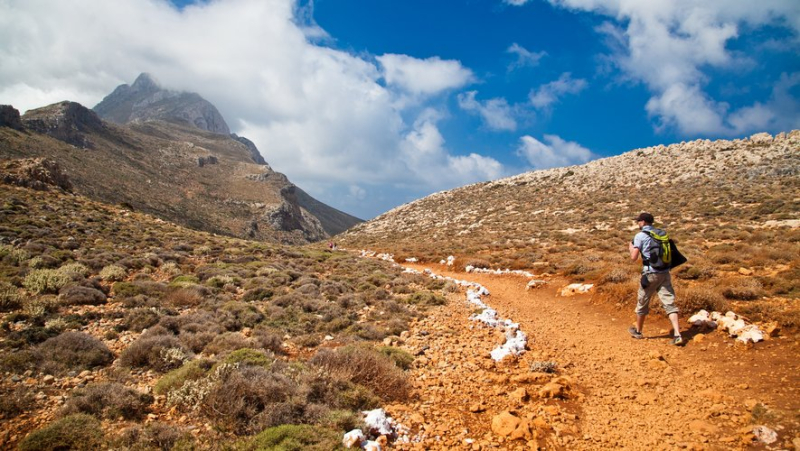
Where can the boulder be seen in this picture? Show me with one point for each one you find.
(505, 424)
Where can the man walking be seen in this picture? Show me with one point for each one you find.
(655, 278)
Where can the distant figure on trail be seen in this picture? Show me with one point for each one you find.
(655, 277)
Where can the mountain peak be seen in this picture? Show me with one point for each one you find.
(147, 100)
(145, 83)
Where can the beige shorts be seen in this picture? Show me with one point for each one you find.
(660, 283)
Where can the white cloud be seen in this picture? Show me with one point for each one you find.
(555, 153)
(549, 93)
(670, 45)
(525, 58)
(424, 76)
(516, 2)
(496, 113)
(324, 117)
(423, 151)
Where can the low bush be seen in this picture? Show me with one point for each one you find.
(139, 319)
(426, 298)
(159, 436)
(367, 367)
(227, 342)
(73, 351)
(45, 281)
(108, 400)
(400, 357)
(14, 401)
(741, 288)
(160, 352)
(75, 269)
(77, 432)
(9, 297)
(185, 297)
(291, 437)
(692, 299)
(77, 295)
(113, 273)
(190, 371)
(246, 399)
(239, 315)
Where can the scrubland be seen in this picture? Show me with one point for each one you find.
(121, 330)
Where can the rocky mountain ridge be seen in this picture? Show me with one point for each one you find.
(205, 180)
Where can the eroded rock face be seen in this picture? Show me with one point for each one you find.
(65, 121)
(35, 173)
(9, 117)
(288, 216)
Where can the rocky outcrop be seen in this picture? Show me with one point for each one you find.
(35, 173)
(9, 117)
(69, 122)
(288, 216)
(254, 152)
(146, 100)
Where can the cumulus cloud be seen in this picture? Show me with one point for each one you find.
(423, 151)
(496, 113)
(670, 45)
(424, 76)
(525, 58)
(554, 152)
(549, 93)
(334, 122)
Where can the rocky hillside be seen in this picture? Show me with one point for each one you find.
(172, 169)
(734, 207)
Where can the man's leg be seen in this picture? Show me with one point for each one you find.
(643, 304)
(667, 296)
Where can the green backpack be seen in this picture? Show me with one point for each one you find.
(663, 252)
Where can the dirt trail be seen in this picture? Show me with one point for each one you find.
(634, 394)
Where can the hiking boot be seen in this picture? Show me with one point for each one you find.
(678, 341)
(635, 333)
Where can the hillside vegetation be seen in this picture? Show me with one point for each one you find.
(120, 330)
(733, 207)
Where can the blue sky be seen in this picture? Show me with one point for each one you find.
(368, 104)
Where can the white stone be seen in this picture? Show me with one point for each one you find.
(353, 438)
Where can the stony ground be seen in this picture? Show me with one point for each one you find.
(617, 392)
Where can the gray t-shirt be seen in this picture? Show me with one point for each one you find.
(643, 241)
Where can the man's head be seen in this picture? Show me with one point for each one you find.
(645, 219)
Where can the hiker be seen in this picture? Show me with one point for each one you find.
(655, 278)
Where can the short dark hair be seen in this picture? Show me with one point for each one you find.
(646, 217)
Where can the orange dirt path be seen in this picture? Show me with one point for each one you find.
(647, 394)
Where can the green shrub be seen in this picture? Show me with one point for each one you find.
(75, 432)
(190, 371)
(139, 319)
(9, 297)
(113, 273)
(45, 281)
(251, 357)
(184, 281)
(109, 400)
(290, 437)
(426, 298)
(75, 268)
(227, 342)
(400, 357)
